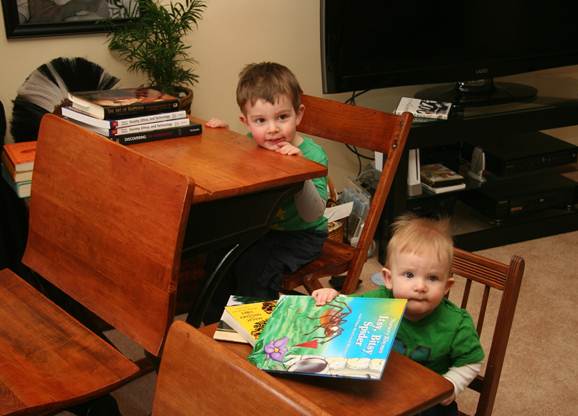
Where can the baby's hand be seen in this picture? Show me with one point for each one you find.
(216, 123)
(324, 295)
(286, 148)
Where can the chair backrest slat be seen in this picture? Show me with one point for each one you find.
(106, 227)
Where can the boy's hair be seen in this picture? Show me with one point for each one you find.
(413, 234)
(267, 81)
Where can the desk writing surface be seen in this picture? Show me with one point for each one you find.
(405, 388)
(224, 163)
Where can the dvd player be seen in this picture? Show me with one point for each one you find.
(523, 153)
(501, 199)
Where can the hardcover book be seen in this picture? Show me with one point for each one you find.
(22, 188)
(249, 319)
(347, 338)
(149, 136)
(224, 332)
(20, 155)
(123, 102)
(424, 108)
(79, 116)
(139, 128)
(436, 175)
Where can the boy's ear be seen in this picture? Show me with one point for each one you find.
(300, 112)
(243, 119)
(387, 280)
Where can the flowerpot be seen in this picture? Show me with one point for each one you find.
(185, 99)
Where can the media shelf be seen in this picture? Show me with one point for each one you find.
(479, 126)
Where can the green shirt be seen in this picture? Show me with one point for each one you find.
(443, 339)
(287, 218)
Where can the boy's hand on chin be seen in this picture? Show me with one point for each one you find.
(286, 148)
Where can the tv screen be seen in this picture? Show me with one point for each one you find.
(369, 44)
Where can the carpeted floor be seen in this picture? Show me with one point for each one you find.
(540, 374)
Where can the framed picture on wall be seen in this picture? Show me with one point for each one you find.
(33, 18)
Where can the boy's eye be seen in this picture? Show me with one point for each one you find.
(259, 121)
(409, 275)
(433, 278)
(283, 117)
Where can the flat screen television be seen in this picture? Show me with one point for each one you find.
(369, 44)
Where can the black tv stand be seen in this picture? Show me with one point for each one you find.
(483, 125)
(479, 93)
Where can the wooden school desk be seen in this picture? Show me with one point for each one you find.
(238, 186)
(406, 387)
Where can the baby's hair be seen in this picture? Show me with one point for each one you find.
(267, 81)
(413, 234)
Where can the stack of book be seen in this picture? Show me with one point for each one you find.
(129, 115)
(438, 178)
(17, 166)
(243, 319)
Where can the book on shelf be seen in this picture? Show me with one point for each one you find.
(224, 332)
(348, 338)
(20, 155)
(424, 108)
(22, 188)
(248, 319)
(122, 102)
(437, 175)
(79, 116)
(149, 136)
(444, 189)
(139, 128)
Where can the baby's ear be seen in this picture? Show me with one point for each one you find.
(449, 284)
(387, 280)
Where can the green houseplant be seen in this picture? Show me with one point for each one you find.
(151, 41)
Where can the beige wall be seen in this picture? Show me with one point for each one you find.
(231, 34)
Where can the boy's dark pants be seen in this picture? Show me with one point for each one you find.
(259, 270)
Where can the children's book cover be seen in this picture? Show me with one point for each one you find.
(224, 332)
(347, 338)
(249, 319)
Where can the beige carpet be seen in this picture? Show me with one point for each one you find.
(540, 375)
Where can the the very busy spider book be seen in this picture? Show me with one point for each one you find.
(348, 338)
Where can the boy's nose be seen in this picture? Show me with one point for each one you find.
(273, 127)
(420, 285)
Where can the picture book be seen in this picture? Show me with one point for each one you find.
(20, 155)
(122, 102)
(437, 175)
(348, 338)
(149, 136)
(424, 108)
(81, 117)
(224, 332)
(249, 319)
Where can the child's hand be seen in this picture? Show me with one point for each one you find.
(216, 123)
(324, 295)
(286, 148)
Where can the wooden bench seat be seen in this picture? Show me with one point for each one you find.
(106, 227)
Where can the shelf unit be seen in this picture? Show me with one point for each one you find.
(481, 125)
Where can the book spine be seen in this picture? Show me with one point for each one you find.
(192, 130)
(139, 109)
(153, 118)
(140, 128)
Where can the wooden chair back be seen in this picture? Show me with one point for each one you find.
(106, 227)
(198, 376)
(365, 128)
(507, 279)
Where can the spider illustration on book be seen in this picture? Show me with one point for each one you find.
(331, 320)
